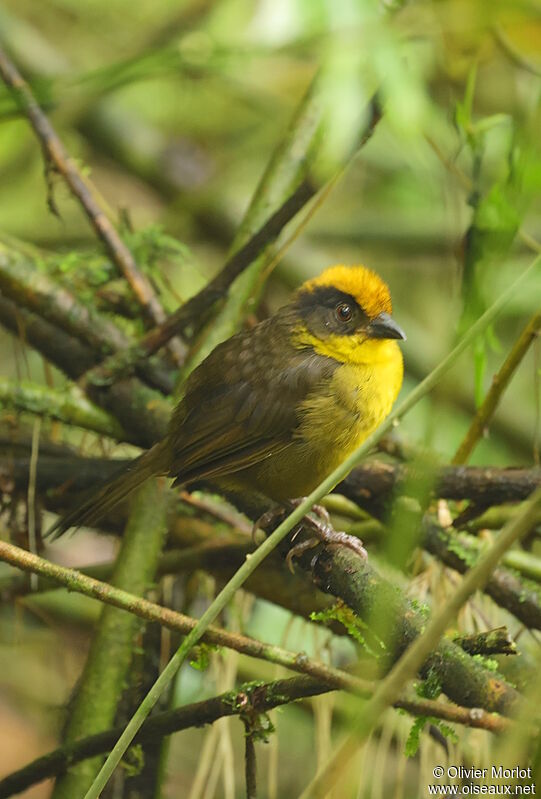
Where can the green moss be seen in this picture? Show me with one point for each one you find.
(354, 626)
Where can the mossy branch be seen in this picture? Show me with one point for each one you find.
(107, 667)
(69, 406)
(143, 411)
(25, 281)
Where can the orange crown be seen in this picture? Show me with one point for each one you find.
(365, 286)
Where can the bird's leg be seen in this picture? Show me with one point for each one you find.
(323, 532)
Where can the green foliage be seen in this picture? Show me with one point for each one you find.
(133, 761)
(467, 555)
(201, 656)
(260, 727)
(151, 245)
(355, 627)
(497, 203)
(430, 687)
(487, 663)
(414, 738)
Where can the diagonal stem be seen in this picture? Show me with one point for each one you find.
(500, 382)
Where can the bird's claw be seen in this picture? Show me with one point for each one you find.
(323, 532)
(268, 519)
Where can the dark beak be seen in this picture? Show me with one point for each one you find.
(384, 326)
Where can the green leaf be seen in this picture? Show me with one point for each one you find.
(414, 738)
(354, 625)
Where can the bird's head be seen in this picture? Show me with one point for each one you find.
(345, 313)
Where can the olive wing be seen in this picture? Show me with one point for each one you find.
(241, 403)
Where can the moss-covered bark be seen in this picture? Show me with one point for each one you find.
(103, 680)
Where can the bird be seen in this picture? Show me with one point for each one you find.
(274, 409)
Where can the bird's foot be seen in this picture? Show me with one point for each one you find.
(269, 520)
(323, 533)
(321, 528)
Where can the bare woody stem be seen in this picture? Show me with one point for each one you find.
(500, 382)
(250, 762)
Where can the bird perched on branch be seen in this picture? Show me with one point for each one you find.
(273, 410)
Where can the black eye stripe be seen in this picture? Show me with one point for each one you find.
(327, 311)
(327, 297)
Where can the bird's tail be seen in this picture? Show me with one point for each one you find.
(154, 462)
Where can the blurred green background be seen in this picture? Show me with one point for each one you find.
(174, 109)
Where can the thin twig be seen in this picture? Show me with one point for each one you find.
(500, 381)
(75, 581)
(467, 185)
(507, 588)
(31, 497)
(250, 762)
(57, 157)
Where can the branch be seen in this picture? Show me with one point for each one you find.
(500, 381)
(196, 310)
(118, 598)
(342, 573)
(68, 353)
(144, 413)
(491, 642)
(24, 281)
(516, 594)
(57, 158)
(194, 313)
(250, 761)
(372, 485)
(260, 698)
(292, 161)
(428, 645)
(508, 589)
(69, 406)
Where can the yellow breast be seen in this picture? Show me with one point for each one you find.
(335, 420)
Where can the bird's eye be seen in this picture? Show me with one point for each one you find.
(344, 312)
